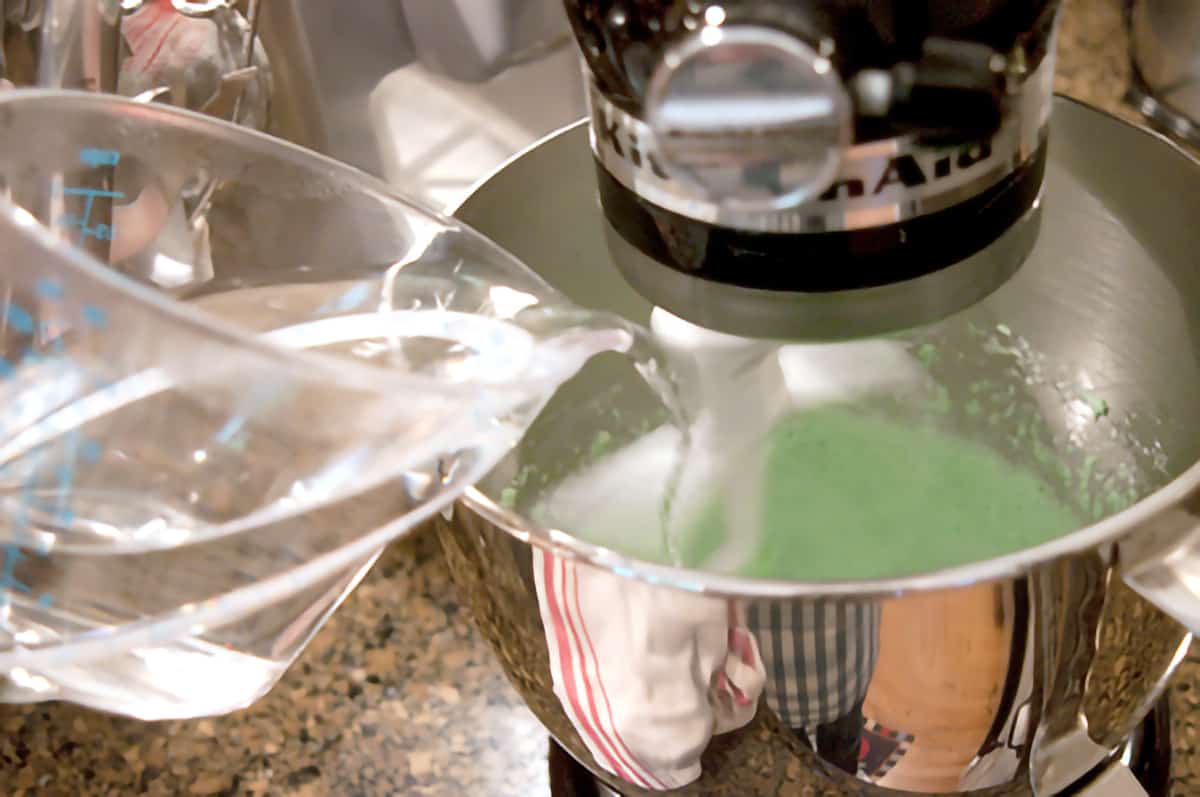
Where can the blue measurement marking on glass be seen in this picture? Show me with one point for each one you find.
(353, 297)
(101, 232)
(94, 316)
(76, 448)
(48, 288)
(20, 319)
(92, 193)
(232, 426)
(13, 554)
(73, 449)
(8, 577)
(96, 157)
(90, 450)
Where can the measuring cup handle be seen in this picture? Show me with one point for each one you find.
(1161, 562)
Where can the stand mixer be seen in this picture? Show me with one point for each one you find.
(821, 170)
(812, 172)
(768, 169)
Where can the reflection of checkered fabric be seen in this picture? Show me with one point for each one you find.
(819, 656)
(876, 734)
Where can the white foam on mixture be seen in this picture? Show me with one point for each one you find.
(737, 389)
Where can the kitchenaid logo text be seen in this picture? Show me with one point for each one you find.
(907, 171)
(861, 177)
(609, 135)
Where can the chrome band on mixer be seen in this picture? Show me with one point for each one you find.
(878, 182)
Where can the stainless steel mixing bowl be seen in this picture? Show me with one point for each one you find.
(1164, 35)
(1016, 674)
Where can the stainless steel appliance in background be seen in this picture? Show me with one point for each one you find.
(338, 53)
(91, 45)
(322, 58)
(1165, 44)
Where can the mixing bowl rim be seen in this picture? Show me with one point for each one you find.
(1107, 531)
(1091, 537)
(301, 363)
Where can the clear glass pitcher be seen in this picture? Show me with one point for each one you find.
(232, 370)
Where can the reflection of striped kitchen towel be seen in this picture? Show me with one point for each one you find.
(882, 749)
(646, 675)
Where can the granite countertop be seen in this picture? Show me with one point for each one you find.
(398, 694)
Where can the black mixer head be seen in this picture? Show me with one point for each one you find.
(821, 168)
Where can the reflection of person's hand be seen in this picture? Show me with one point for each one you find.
(138, 224)
(742, 680)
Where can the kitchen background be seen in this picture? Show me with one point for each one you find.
(398, 694)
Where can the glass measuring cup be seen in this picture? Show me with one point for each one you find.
(232, 370)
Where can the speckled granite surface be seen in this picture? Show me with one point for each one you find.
(399, 695)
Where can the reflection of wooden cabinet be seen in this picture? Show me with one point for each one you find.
(942, 664)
